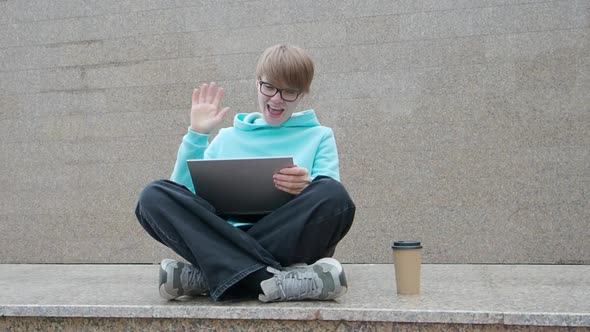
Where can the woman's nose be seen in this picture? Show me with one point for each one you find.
(277, 98)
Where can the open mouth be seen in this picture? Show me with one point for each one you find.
(274, 112)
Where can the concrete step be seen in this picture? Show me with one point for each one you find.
(463, 297)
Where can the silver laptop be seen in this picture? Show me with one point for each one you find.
(240, 186)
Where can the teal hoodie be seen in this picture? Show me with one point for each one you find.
(311, 145)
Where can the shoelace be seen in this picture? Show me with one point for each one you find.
(194, 278)
(297, 285)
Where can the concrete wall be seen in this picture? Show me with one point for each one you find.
(465, 124)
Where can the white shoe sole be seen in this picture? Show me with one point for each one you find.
(164, 279)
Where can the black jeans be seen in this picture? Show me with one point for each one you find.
(304, 230)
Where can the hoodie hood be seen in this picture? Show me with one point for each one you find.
(253, 121)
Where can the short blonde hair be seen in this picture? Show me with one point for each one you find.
(286, 65)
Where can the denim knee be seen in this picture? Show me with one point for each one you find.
(332, 192)
(152, 194)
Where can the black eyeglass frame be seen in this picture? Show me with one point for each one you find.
(277, 90)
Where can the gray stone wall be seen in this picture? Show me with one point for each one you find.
(465, 124)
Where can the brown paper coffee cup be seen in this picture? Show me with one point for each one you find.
(407, 260)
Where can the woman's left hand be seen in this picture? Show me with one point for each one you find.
(292, 179)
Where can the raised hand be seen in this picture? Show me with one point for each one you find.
(205, 112)
(292, 179)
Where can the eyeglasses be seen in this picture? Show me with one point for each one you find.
(270, 90)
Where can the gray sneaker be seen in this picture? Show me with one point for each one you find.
(323, 280)
(178, 279)
(295, 267)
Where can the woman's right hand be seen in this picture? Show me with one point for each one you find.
(205, 113)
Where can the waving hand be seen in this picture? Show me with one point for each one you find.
(205, 112)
